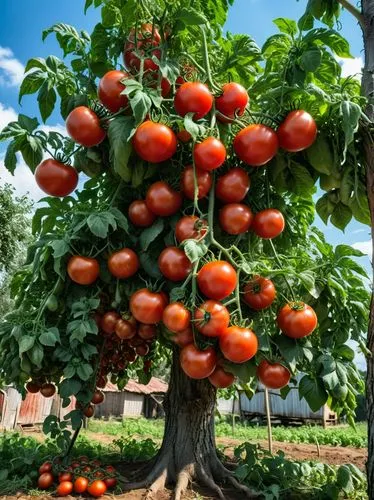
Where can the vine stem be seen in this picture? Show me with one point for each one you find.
(196, 207)
(73, 440)
(278, 261)
(206, 59)
(237, 296)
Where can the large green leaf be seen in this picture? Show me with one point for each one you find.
(313, 390)
(119, 132)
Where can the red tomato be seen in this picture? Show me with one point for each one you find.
(209, 154)
(190, 227)
(64, 489)
(89, 411)
(176, 317)
(217, 279)
(101, 383)
(198, 364)
(33, 387)
(142, 350)
(154, 142)
(97, 488)
(232, 102)
(147, 40)
(268, 223)
(45, 481)
(80, 485)
(110, 482)
(297, 320)
(56, 178)
(96, 463)
(75, 465)
(233, 186)
(193, 97)
(124, 263)
(273, 375)
(125, 330)
(98, 397)
(238, 344)
(174, 264)
(83, 126)
(110, 88)
(147, 332)
(204, 182)
(83, 270)
(221, 379)
(212, 318)
(65, 476)
(140, 215)
(45, 467)
(109, 322)
(147, 307)
(259, 293)
(297, 132)
(162, 200)
(256, 144)
(235, 218)
(183, 338)
(110, 468)
(184, 136)
(47, 390)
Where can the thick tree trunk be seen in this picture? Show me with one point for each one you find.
(368, 91)
(188, 452)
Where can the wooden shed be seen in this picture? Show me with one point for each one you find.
(134, 400)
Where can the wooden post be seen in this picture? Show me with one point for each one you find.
(233, 415)
(268, 419)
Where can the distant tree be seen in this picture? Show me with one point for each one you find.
(15, 236)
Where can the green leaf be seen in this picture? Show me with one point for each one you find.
(36, 355)
(244, 371)
(50, 337)
(4, 474)
(69, 387)
(191, 17)
(311, 59)
(120, 145)
(287, 26)
(76, 418)
(140, 104)
(26, 343)
(60, 247)
(303, 183)
(344, 479)
(99, 223)
(27, 123)
(313, 391)
(87, 5)
(149, 234)
(111, 16)
(320, 156)
(32, 152)
(334, 40)
(351, 113)
(345, 352)
(194, 250)
(32, 83)
(10, 159)
(150, 265)
(47, 100)
(341, 216)
(35, 62)
(84, 371)
(121, 220)
(324, 208)
(177, 293)
(70, 102)
(347, 251)
(360, 208)
(193, 128)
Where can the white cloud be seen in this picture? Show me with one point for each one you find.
(6, 115)
(365, 247)
(11, 69)
(22, 180)
(351, 67)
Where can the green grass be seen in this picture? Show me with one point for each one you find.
(333, 436)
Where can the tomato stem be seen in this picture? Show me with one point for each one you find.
(194, 62)
(278, 261)
(206, 60)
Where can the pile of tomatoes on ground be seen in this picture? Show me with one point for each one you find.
(255, 145)
(81, 476)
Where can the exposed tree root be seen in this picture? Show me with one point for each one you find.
(208, 481)
(183, 481)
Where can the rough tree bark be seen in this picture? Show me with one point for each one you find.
(368, 91)
(188, 452)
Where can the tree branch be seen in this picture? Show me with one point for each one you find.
(354, 11)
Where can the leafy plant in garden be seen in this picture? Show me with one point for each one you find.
(167, 254)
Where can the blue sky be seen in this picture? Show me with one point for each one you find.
(20, 39)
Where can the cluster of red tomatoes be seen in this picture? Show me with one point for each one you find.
(81, 476)
(255, 145)
(125, 341)
(46, 389)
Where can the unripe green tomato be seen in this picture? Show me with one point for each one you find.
(52, 303)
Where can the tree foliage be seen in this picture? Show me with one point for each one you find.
(295, 69)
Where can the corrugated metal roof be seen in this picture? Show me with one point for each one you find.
(155, 385)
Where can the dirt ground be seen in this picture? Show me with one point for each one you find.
(327, 454)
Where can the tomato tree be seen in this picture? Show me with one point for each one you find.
(193, 242)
